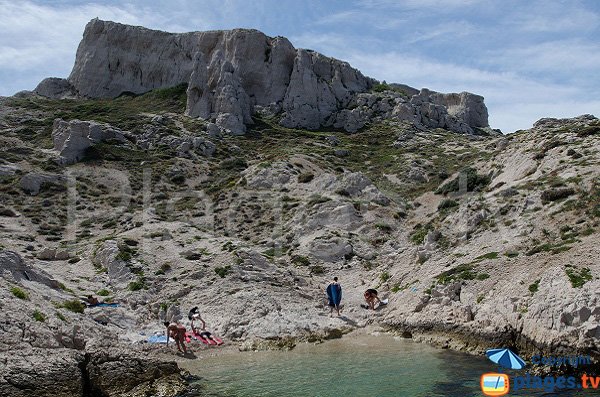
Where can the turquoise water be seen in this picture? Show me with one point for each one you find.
(370, 366)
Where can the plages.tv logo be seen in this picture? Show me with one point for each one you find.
(494, 384)
(498, 384)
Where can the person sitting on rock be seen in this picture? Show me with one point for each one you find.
(194, 315)
(92, 301)
(371, 297)
(177, 332)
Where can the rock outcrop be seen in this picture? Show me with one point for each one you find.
(233, 74)
(72, 138)
(71, 373)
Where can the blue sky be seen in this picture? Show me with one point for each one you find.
(529, 59)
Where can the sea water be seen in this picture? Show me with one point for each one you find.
(369, 366)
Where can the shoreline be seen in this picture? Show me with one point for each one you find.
(436, 340)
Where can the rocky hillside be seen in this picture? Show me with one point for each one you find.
(477, 239)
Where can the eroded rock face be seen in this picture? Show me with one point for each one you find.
(233, 74)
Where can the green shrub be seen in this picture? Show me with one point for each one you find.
(578, 277)
(482, 276)
(475, 182)
(19, 293)
(556, 194)
(420, 233)
(137, 285)
(384, 227)
(460, 272)
(223, 271)
(533, 288)
(317, 269)
(234, 164)
(104, 292)
(165, 267)
(73, 305)
(447, 204)
(300, 260)
(489, 255)
(385, 276)
(380, 87)
(39, 316)
(305, 177)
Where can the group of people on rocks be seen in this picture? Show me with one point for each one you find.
(334, 297)
(178, 332)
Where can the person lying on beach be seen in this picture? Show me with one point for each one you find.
(204, 334)
(194, 315)
(371, 297)
(177, 332)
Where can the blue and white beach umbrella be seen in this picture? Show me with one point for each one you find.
(505, 358)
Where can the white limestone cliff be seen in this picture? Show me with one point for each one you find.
(231, 74)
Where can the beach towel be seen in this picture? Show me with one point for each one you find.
(104, 305)
(159, 339)
(334, 294)
(206, 341)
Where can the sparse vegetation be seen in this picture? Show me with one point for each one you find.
(419, 234)
(533, 288)
(489, 255)
(460, 272)
(556, 194)
(39, 316)
(138, 284)
(73, 305)
(447, 204)
(468, 180)
(223, 271)
(300, 260)
(317, 269)
(385, 276)
(103, 292)
(19, 293)
(578, 277)
(305, 177)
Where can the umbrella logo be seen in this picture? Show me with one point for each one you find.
(505, 358)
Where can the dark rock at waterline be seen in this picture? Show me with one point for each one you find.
(71, 373)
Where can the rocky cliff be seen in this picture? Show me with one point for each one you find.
(232, 75)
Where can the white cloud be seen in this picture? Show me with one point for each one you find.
(39, 41)
(439, 5)
(445, 31)
(547, 17)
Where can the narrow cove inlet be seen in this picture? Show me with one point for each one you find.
(365, 365)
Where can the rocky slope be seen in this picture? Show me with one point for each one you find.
(477, 240)
(232, 75)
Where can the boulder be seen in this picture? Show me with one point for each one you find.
(107, 256)
(13, 269)
(72, 138)
(55, 88)
(34, 182)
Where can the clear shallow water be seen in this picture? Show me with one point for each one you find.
(370, 366)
